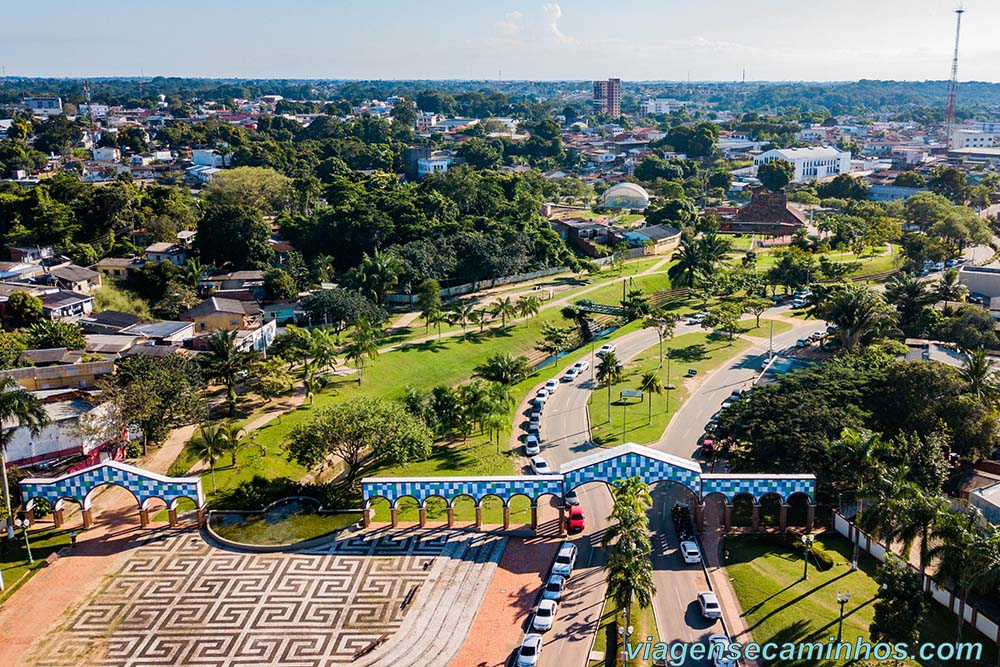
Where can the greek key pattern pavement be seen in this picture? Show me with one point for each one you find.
(179, 601)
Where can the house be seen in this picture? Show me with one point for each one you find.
(110, 345)
(162, 333)
(983, 281)
(987, 499)
(237, 280)
(166, 252)
(657, 239)
(219, 313)
(43, 106)
(119, 268)
(767, 213)
(106, 154)
(74, 278)
(107, 322)
(18, 270)
(284, 312)
(61, 304)
(76, 375)
(810, 163)
(33, 254)
(202, 157)
(62, 437)
(436, 164)
(201, 173)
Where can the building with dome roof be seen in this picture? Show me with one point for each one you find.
(625, 195)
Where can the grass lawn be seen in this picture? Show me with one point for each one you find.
(14, 556)
(643, 625)
(700, 351)
(649, 283)
(766, 327)
(780, 607)
(298, 527)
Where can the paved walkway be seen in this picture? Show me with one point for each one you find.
(502, 618)
(713, 541)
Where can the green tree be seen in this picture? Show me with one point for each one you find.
(279, 285)
(860, 314)
(909, 294)
(664, 323)
(504, 308)
(375, 275)
(554, 339)
(18, 409)
(505, 368)
(257, 188)
(234, 234)
(609, 371)
(227, 364)
(48, 334)
(528, 306)
(429, 299)
(949, 287)
(757, 306)
(900, 607)
(462, 314)
(365, 432)
(650, 383)
(776, 175)
(364, 345)
(949, 182)
(915, 517)
(209, 443)
(978, 371)
(23, 309)
(725, 317)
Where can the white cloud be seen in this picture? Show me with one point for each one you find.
(553, 12)
(510, 27)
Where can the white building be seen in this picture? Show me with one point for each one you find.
(657, 107)
(810, 163)
(208, 157)
(67, 433)
(44, 106)
(433, 165)
(98, 110)
(963, 138)
(106, 154)
(426, 120)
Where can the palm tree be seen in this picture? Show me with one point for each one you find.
(967, 558)
(980, 375)
(650, 383)
(505, 368)
(688, 264)
(18, 405)
(528, 306)
(364, 344)
(375, 275)
(478, 317)
(227, 363)
(859, 313)
(236, 439)
(503, 309)
(628, 567)
(209, 444)
(916, 514)
(462, 314)
(665, 324)
(909, 294)
(949, 288)
(609, 371)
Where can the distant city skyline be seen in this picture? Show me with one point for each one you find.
(714, 40)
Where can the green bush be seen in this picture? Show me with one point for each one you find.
(259, 492)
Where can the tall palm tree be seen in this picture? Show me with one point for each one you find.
(909, 294)
(363, 345)
(193, 270)
(967, 557)
(915, 516)
(688, 264)
(209, 444)
(665, 324)
(980, 375)
(18, 405)
(859, 313)
(628, 567)
(503, 309)
(479, 317)
(462, 315)
(609, 371)
(949, 288)
(528, 306)
(227, 363)
(375, 275)
(237, 439)
(650, 383)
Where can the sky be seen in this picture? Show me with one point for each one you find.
(705, 40)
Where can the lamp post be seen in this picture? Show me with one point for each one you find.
(807, 540)
(842, 599)
(23, 525)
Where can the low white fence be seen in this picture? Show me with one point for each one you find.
(941, 595)
(469, 288)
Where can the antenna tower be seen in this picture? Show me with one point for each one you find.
(949, 116)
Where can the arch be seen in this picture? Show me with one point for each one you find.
(770, 509)
(436, 508)
(379, 509)
(88, 500)
(744, 506)
(407, 508)
(463, 507)
(798, 509)
(625, 461)
(519, 509)
(491, 507)
(147, 503)
(175, 504)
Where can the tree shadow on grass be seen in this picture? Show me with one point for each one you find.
(689, 353)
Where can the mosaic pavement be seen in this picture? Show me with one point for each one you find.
(178, 601)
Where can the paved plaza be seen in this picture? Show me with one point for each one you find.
(176, 600)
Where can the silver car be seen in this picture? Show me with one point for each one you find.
(545, 615)
(531, 648)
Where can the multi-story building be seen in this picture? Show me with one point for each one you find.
(965, 138)
(810, 163)
(425, 120)
(608, 97)
(46, 106)
(657, 107)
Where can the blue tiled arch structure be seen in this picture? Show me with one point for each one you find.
(144, 485)
(607, 466)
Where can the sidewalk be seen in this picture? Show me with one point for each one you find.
(739, 631)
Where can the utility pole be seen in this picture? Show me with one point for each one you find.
(949, 117)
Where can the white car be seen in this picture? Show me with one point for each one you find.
(551, 386)
(540, 466)
(545, 614)
(581, 366)
(690, 552)
(938, 266)
(531, 445)
(718, 651)
(565, 560)
(696, 319)
(571, 498)
(554, 588)
(535, 422)
(568, 376)
(543, 394)
(531, 648)
(709, 604)
(607, 348)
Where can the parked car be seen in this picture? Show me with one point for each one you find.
(709, 604)
(817, 335)
(540, 466)
(690, 552)
(696, 319)
(576, 522)
(565, 560)
(545, 614)
(531, 648)
(938, 266)
(569, 375)
(554, 588)
(718, 651)
(543, 395)
(802, 342)
(707, 447)
(950, 263)
(606, 348)
(581, 366)
(539, 402)
(535, 422)
(728, 404)
(738, 392)
(534, 428)
(551, 386)
(570, 498)
(531, 445)
(799, 303)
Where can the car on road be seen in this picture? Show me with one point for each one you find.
(950, 263)
(534, 428)
(738, 392)
(718, 651)
(728, 404)
(551, 386)
(709, 604)
(707, 447)
(570, 498)
(690, 552)
(581, 366)
(535, 422)
(531, 445)
(817, 335)
(696, 319)
(711, 426)
(569, 375)
(607, 348)
(531, 648)
(799, 303)
(554, 588)
(938, 266)
(545, 614)
(565, 560)
(543, 395)
(537, 402)
(540, 466)
(802, 342)
(576, 522)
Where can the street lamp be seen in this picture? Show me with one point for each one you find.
(842, 599)
(807, 540)
(23, 525)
